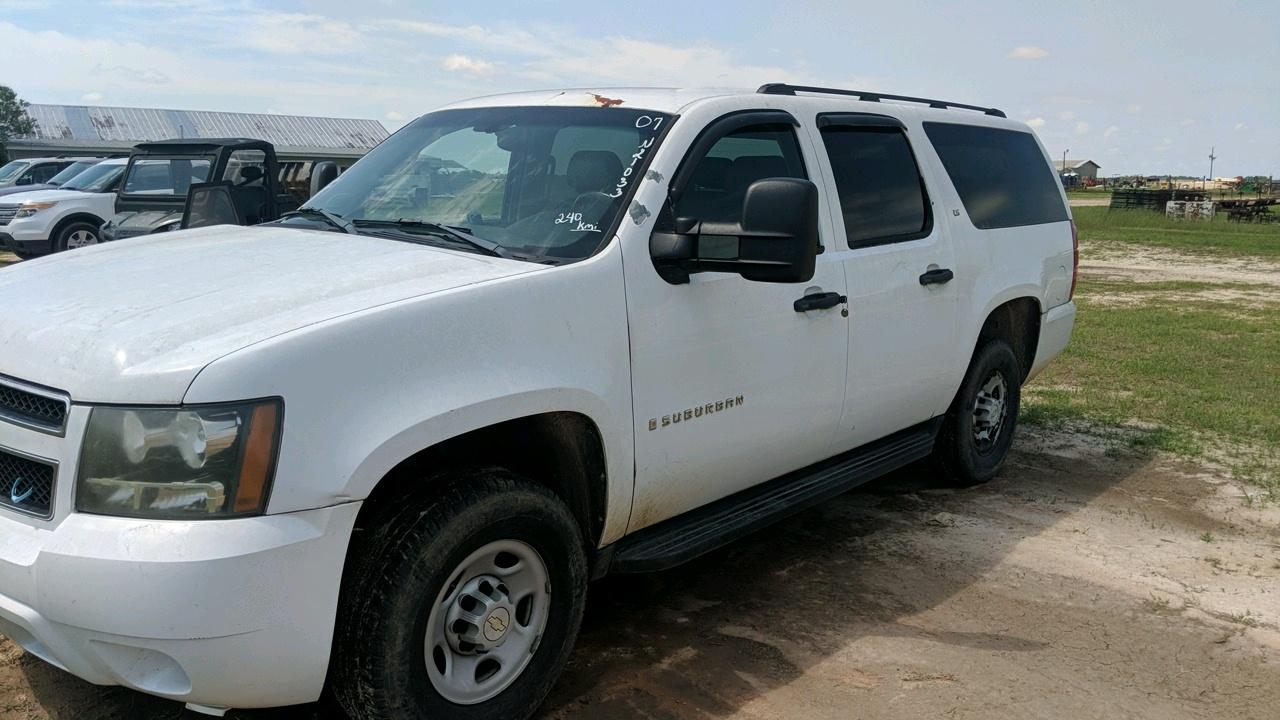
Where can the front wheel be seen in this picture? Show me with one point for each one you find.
(462, 605)
(978, 429)
(76, 235)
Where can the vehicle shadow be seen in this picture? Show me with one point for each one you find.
(705, 639)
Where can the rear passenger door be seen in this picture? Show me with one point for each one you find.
(897, 256)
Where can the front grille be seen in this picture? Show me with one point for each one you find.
(31, 406)
(6, 213)
(26, 485)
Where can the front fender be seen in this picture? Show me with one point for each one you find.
(366, 390)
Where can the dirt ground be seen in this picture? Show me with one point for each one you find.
(1085, 582)
(1089, 202)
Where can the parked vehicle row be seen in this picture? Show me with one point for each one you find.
(94, 200)
(72, 168)
(382, 444)
(31, 173)
(67, 217)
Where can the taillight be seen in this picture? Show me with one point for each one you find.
(1075, 258)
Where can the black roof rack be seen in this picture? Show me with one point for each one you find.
(868, 96)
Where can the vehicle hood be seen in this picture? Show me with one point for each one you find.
(43, 196)
(141, 222)
(135, 321)
(19, 189)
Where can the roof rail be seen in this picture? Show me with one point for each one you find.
(868, 96)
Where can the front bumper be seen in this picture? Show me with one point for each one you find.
(1055, 331)
(29, 246)
(230, 613)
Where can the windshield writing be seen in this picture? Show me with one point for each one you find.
(537, 181)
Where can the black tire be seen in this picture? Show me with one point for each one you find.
(64, 237)
(379, 658)
(25, 255)
(959, 454)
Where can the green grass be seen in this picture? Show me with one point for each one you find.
(1173, 372)
(1075, 194)
(1103, 226)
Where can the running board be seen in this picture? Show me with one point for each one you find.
(685, 537)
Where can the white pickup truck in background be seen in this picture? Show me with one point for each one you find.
(384, 443)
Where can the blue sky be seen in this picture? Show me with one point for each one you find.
(1136, 86)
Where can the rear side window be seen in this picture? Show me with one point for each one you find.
(165, 176)
(42, 173)
(1001, 175)
(882, 195)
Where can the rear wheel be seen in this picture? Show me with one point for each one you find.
(978, 429)
(461, 605)
(76, 235)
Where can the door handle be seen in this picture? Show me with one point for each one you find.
(937, 276)
(819, 301)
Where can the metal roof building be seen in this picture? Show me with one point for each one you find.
(94, 130)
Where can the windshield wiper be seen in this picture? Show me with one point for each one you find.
(459, 234)
(331, 218)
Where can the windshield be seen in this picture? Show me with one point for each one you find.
(537, 181)
(71, 171)
(98, 178)
(11, 170)
(166, 176)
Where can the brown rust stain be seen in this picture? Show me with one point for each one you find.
(603, 101)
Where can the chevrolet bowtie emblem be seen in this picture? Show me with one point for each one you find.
(21, 490)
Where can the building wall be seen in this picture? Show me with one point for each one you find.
(1088, 171)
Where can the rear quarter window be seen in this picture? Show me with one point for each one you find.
(1001, 175)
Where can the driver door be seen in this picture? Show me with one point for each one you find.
(732, 385)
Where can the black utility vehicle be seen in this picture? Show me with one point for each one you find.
(154, 193)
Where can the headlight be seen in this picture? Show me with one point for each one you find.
(31, 208)
(202, 461)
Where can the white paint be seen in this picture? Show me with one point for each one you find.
(381, 349)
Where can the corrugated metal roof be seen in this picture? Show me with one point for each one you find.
(90, 124)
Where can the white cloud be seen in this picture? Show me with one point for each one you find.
(1028, 52)
(1188, 122)
(1036, 122)
(1110, 131)
(148, 76)
(127, 72)
(1067, 115)
(291, 34)
(627, 60)
(1133, 109)
(91, 97)
(1240, 126)
(464, 64)
(1082, 128)
(394, 116)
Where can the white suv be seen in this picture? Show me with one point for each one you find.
(45, 221)
(531, 339)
